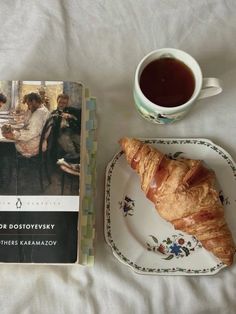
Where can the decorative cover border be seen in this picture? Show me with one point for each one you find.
(108, 233)
(87, 215)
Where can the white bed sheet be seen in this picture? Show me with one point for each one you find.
(100, 43)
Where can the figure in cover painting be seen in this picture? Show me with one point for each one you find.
(69, 124)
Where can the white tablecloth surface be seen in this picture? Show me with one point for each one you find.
(100, 43)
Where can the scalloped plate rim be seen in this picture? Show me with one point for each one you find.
(168, 272)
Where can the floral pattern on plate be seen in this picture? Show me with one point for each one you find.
(173, 247)
(127, 206)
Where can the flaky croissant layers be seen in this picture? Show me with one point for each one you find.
(183, 192)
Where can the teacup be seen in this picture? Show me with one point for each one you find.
(179, 83)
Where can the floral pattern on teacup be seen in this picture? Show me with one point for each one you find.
(160, 118)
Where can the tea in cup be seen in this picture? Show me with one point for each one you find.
(167, 84)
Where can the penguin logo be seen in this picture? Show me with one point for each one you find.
(18, 203)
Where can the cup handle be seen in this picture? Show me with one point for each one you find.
(210, 87)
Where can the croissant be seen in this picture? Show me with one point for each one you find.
(184, 194)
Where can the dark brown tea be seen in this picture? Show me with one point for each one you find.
(167, 82)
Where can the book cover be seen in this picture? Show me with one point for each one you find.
(47, 172)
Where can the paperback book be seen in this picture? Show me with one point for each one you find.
(47, 172)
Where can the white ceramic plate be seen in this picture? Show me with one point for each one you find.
(139, 237)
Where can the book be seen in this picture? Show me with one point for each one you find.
(47, 172)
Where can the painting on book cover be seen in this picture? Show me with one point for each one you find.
(40, 128)
(40, 149)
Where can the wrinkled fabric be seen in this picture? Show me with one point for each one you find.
(100, 43)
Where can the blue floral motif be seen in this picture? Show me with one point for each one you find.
(127, 206)
(175, 246)
(176, 249)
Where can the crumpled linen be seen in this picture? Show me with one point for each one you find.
(100, 43)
